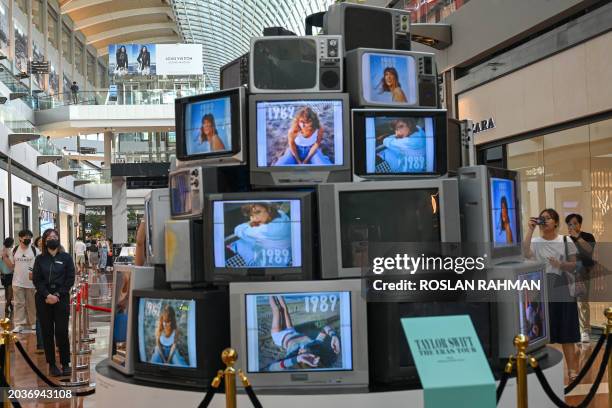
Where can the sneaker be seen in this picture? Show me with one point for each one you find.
(54, 371)
(27, 331)
(33, 327)
(17, 329)
(66, 371)
(40, 350)
(585, 337)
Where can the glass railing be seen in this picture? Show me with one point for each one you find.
(94, 176)
(143, 157)
(14, 84)
(141, 97)
(45, 147)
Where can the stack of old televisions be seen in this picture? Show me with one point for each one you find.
(259, 241)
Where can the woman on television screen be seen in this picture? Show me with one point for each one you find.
(209, 137)
(166, 339)
(144, 61)
(304, 141)
(264, 240)
(301, 351)
(390, 86)
(504, 233)
(405, 149)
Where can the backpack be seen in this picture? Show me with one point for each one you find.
(34, 250)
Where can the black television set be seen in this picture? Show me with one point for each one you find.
(391, 361)
(299, 139)
(259, 236)
(179, 335)
(235, 73)
(211, 127)
(399, 143)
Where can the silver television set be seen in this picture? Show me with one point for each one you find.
(157, 211)
(391, 78)
(489, 198)
(353, 215)
(126, 278)
(300, 335)
(524, 311)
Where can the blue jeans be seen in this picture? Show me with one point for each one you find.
(317, 159)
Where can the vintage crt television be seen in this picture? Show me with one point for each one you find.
(211, 127)
(407, 211)
(389, 78)
(157, 211)
(179, 335)
(364, 26)
(283, 130)
(391, 361)
(126, 278)
(272, 321)
(259, 236)
(235, 73)
(489, 198)
(186, 188)
(184, 258)
(296, 64)
(399, 143)
(524, 311)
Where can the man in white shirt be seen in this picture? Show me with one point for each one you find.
(79, 252)
(23, 287)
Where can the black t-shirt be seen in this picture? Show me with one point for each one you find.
(583, 256)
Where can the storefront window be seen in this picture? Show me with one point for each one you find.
(20, 218)
(570, 171)
(52, 28)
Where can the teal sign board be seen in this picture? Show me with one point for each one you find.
(451, 362)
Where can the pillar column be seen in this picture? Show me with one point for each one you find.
(108, 147)
(120, 213)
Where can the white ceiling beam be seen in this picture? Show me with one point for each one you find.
(117, 15)
(118, 32)
(146, 40)
(75, 5)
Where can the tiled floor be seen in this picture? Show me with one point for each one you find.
(23, 377)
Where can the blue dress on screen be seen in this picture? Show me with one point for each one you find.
(303, 145)
(406, 154)
(275, 235)
(164, 348)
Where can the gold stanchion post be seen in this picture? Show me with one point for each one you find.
(520, 342)
(229, 357)
(6, 338)
(608, 313)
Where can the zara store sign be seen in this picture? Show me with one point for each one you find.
(483, 125)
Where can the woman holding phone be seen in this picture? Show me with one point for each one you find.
(559, 254)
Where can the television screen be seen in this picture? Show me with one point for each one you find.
(208, 126)
(299, 332)
(167, 332)
(285, 63)
(504, 217)
(180, 194)
(399, 144)
(305, 132)
(121, 298)
(257, 233)
(407, 215)
(389, 78)
(532, 317)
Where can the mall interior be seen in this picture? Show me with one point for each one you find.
(222, 175)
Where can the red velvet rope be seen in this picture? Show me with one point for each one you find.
(99, 308)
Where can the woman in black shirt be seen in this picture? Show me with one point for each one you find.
(53, 276)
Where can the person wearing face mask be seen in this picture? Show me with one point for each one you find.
(23, 288)
(53, 275)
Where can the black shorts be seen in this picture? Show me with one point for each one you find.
(7, 280)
